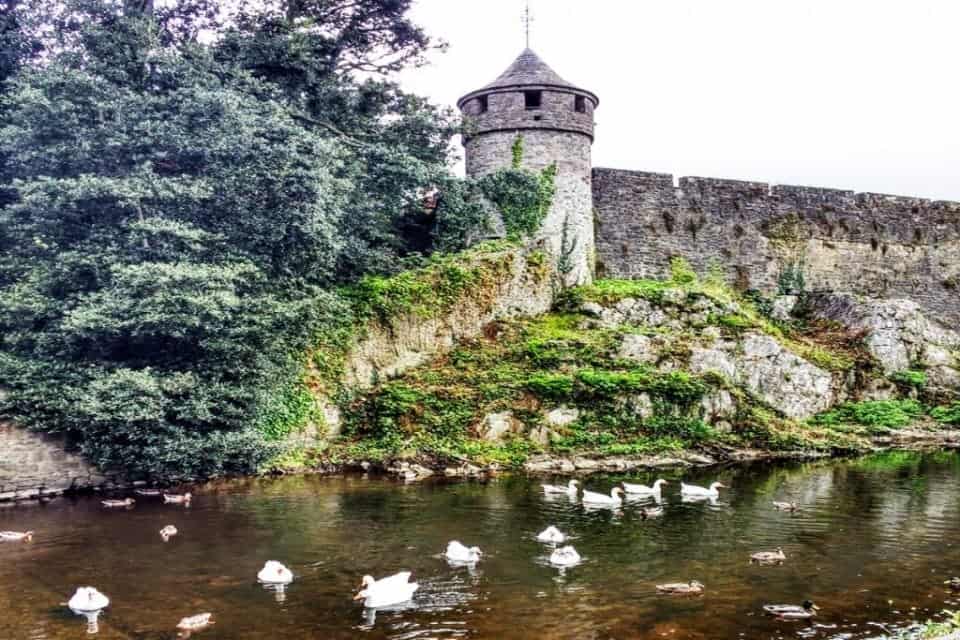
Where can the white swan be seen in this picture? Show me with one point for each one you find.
(552, 535)
(457, 552)
(275, 573)
(693, 491)
(564, 557)
(642, 489)
(570, 489)
(88, 599)
(384, 592)
(614, 499)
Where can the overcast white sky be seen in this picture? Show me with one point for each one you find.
(853, 94)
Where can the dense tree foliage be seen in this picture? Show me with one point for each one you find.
(186, 187)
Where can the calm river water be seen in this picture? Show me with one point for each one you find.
(873, 545)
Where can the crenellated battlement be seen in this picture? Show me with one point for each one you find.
(865, 243)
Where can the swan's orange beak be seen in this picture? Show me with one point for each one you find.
(359, 596)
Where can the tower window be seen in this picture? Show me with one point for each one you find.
(482, 104)
(580, 104)
(531, 99)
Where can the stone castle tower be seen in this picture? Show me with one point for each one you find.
(555, 120)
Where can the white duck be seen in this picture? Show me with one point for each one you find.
(644, 490)
(457, 552)
(87, 600)
(275, 573)
(693, 491)
(552, 535)
(613, 500)
(570, 489)
(395, 589)
(564, 557)
(16, 536)
(168, 532)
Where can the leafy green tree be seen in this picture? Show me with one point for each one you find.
(164, 255)
(396, 144)
(180, 213)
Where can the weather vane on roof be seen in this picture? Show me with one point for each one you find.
(527, 21)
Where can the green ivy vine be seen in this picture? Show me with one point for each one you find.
(522, 196)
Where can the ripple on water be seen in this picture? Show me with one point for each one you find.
(868, 533)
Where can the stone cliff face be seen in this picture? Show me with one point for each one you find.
(520, 284)
(900, 336)
(387, 348)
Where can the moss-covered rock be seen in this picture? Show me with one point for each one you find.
(618, 368)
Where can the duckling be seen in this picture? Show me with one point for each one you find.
(16, 536)
(168, 532)
(196, 623)
(174, 498)
(792, 611)
(681, 588)
(115, 504)
(786, 506)
(769, 557)
(953, 583)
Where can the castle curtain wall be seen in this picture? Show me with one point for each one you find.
(841, 241)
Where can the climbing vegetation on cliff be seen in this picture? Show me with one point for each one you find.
(425, 292)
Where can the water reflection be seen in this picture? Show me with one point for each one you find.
(873, 540)
(92, 618)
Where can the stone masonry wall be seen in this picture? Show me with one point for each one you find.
(861, 243)
(572, 202)
(506, 112)
(33, 463)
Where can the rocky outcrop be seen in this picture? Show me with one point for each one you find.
(519, 284)
(797, 388)
(387, 348)
(495, 427)
(675, 310)
(899, 335)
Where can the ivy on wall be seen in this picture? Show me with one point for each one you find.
(522, 196)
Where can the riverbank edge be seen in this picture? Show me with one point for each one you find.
(419, 467)
(426, 466)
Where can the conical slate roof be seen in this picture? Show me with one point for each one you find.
(528, 70)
